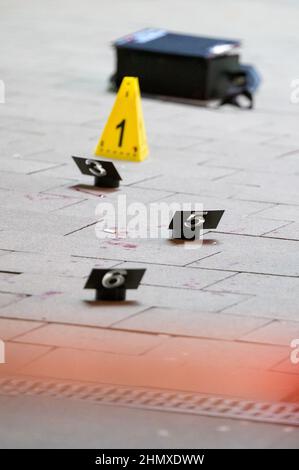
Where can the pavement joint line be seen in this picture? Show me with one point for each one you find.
(200, 268)
(225, 291)
(219, 178)
(257, 328)
(11, 272)
(281, 238)
(241, 272)
(39, 356)
(72, 195)
(34, 328)
(234, 198)
(283, 372)
(97, 258)
(277, 228)
(219, 280)
(15, 293)
(79, 229)
(64, 184)
(279, 362)
(247, 234)
(113, 328)
(142, 181)
(287, 154)
(129, 317)
(266, 345)
(79, 201)
(137, 262)
(201, 289)
(265, 209)
(205, 257)
(54, 346)
(45, 169)
(234, 304)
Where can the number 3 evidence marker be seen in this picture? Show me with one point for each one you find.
(105, 173)
(124, 135)
(111, 284)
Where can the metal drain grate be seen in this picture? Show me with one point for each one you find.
(153, 399)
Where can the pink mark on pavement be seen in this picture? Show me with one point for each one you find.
(191, 285)
(122, 244)
(50, 293)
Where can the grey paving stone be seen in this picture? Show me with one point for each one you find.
(287, 367)
(96, 196)
(268, 307)
(272, 296)
(13, 240)
(240, 217)
(286, 232)
(265, 187)
(66, 170)
(37, 202)
(37, 222)
(192, 323)
(80, 310)
(45, 264)
(19, 165)
(275, 332)
(17, 145)
(258, 284)
(232, 206)
(226, 354)
(28, 183)
(160, 251)
(40, 284)
(179, 277)
(134, 194)
(253, 226)
(66, 190)
(282, 212)
(193, 185)
(19, 355)
(107, 340)
(187, 299)
(7, 298)
(9, 329)
(267, 256)
(232, 154)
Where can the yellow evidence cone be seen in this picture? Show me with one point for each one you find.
(124, 135)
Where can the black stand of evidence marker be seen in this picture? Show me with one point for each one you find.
(106, 182)
(111, 294)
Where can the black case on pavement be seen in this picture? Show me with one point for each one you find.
(183, 66)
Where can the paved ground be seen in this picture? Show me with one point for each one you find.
(215, 320)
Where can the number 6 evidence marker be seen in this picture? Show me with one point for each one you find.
(111, 284)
